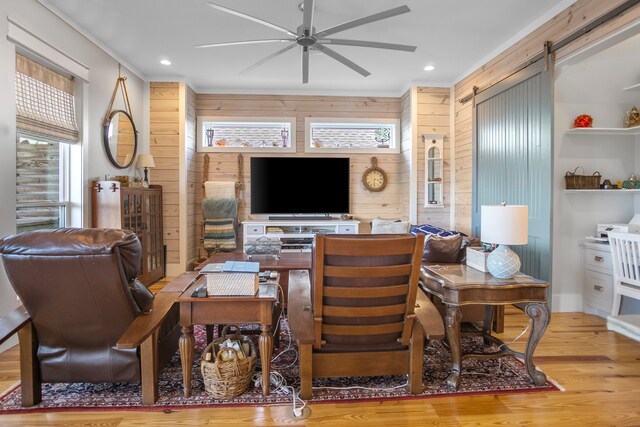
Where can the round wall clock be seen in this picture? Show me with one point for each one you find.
(374, 178)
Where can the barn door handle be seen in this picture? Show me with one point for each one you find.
(598, 288)
(598, 258)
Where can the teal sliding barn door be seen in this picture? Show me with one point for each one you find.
(513, 158)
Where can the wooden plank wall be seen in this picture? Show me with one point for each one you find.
(390, 203)
(194, 179)
(563, 24)
(406, 146)
(434, 117)
(165, 134)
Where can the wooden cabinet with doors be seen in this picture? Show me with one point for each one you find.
(139, 210)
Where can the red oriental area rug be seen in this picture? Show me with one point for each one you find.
(493, 376)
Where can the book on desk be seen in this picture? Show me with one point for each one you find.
(232, 278)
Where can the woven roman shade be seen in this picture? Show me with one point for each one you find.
(44, 102)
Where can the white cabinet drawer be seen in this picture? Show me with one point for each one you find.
(598, 289)
(255, 229)
(346, 229)
(599, 260)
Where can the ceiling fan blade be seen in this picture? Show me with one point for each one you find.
(335, 55)
(244, 42)
(307, 20)
(252, 18)
(363, 43)
(361, 21)
(273, 55)
(305, 65)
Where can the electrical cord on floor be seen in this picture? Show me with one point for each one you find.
(505, 344)
(280, 385)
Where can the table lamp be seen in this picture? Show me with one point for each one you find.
(146, 161)
(504, 225)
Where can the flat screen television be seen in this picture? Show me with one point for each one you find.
(299, 185)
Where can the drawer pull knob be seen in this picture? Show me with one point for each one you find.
(598, 288)
(598, 258)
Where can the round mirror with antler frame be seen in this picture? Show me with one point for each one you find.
(120, 136)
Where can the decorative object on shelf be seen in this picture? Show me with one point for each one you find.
(573, 181)
(504, 225)
(632, 118)
(608, 185)
(123, 179)
(120, 137)
(583, 121)
(137, 182)
(374, 178)
(631, 183)
(146, 161)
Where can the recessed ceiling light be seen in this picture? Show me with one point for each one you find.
(429, 68)
(165, 62)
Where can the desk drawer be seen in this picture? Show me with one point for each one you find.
(598, 289)
(600, 260)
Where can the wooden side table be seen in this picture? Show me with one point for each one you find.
(258, 308)
(457, 285)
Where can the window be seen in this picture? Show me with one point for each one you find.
(246, 134)
(46, 128)
(352, 135)
(41, 191)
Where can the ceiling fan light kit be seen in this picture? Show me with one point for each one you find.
(308, 39)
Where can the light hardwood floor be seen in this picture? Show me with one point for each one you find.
(600, 371)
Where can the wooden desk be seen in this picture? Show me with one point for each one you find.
(457, 285)
(288, 261)
(227, 309)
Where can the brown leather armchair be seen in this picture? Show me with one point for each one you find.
(83, 319)
(361, 314)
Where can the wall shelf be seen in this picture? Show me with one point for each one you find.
(604, 131)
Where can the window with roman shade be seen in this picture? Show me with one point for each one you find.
(44, 102)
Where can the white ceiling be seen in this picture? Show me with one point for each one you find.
(455, 36)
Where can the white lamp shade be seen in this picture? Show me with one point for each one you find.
(504, 225)
(146, 161)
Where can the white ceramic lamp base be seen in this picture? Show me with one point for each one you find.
(503, 263)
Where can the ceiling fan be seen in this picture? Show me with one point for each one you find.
(309, 39)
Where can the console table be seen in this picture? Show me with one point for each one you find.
(258, 308)
(457, 285)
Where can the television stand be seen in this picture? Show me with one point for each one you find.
(301, 218)
(296, 235)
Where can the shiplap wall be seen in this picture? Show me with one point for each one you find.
(192, 177)
(164, 145)
(433, 117)
(565, 23)
(365, 205)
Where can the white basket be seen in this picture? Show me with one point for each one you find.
(477, 259)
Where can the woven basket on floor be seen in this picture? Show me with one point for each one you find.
(226, 379)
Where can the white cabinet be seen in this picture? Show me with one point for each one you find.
(297, 235)
(597, 278)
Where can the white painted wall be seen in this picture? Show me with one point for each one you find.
(103, 71)
(593, 85)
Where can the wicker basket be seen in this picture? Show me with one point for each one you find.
(226, 379)
(574, 181)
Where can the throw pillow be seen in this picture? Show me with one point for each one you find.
(389, 226)
(442, 249)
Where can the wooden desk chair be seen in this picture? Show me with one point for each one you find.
(625, 255)
(360, 317)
